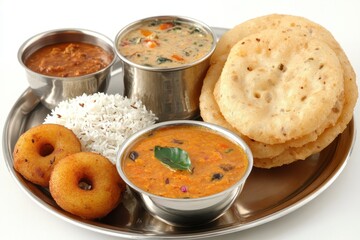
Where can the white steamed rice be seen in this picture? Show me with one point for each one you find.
(101, 121)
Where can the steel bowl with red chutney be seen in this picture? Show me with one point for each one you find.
(66, 63)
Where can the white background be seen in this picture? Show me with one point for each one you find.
(332, 215)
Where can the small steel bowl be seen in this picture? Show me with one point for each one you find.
(171, 93)
(52, 90)
(192, 211)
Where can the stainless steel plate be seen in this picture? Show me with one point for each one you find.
(267, 195)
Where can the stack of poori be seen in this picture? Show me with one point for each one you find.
(284, 84)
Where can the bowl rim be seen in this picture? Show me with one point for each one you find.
(189, 20)
(210, 126)
(37, 37)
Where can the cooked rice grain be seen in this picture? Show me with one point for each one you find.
(101, 121)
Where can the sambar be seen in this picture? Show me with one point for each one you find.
(215, 162)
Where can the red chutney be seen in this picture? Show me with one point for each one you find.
(216, 163)
(69, 59)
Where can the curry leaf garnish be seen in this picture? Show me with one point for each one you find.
(173, 157)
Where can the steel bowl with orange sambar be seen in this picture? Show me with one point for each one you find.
(185, 172)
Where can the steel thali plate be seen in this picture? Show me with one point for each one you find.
(267, 195)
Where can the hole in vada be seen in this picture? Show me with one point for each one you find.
(85, 184)
(46, 149)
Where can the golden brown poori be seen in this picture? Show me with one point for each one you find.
(248, 107)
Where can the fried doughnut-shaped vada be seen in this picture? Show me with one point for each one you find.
(40, 148)
(86, 184)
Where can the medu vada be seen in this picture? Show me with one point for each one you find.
(87, 185)
(40, 148)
